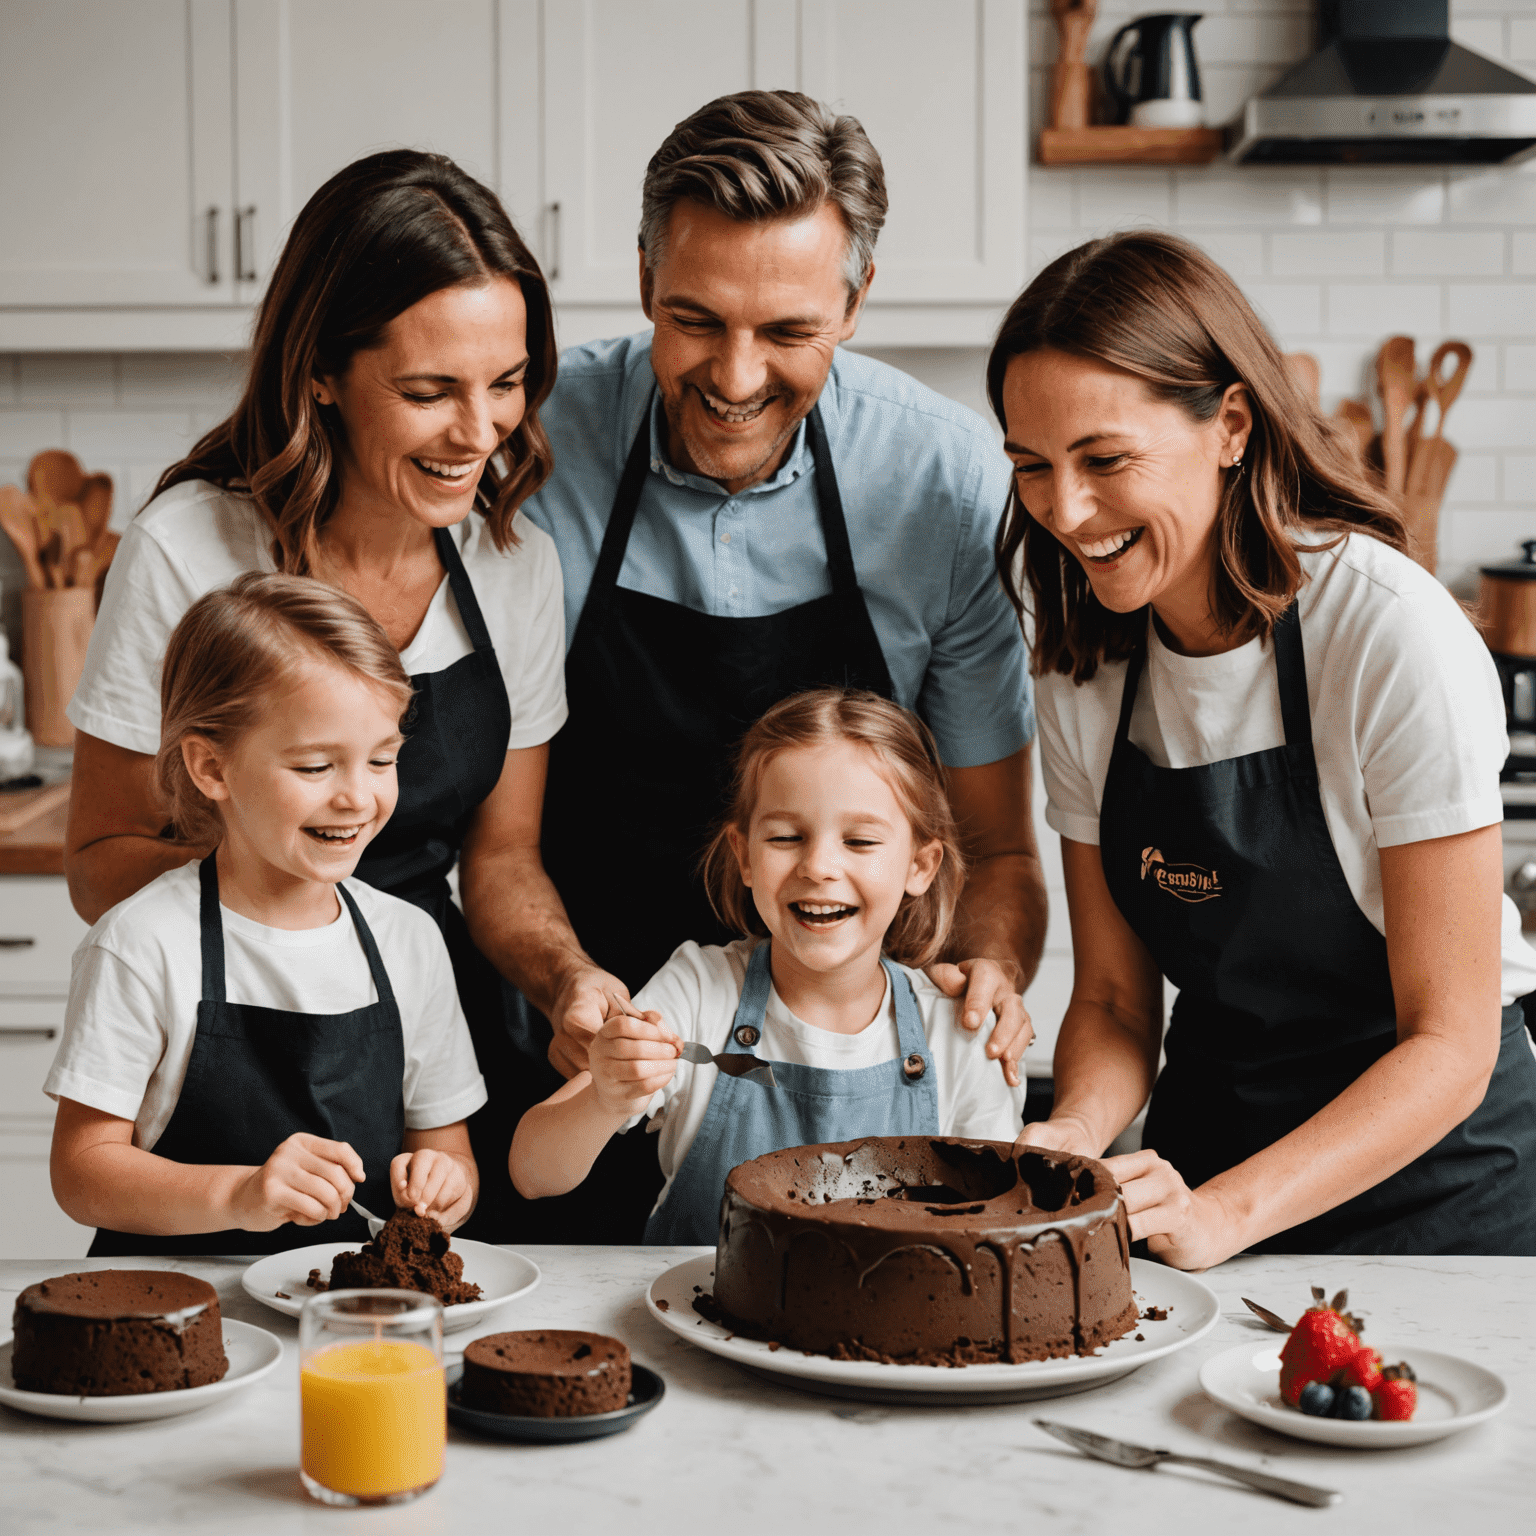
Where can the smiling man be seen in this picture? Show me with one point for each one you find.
(744, 510)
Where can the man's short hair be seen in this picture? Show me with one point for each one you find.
(768, 155)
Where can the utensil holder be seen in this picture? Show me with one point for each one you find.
(55, 631)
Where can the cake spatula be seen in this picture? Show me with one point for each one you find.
(732, 1063)
(375, 1226)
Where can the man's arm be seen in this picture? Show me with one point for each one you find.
(517, 919)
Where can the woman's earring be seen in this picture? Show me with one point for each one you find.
(1237, 459)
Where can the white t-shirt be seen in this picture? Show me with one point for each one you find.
(137, 978)
(196, 538)
(1407, 720)
(696, 993)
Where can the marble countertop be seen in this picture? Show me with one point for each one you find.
(730, 1454)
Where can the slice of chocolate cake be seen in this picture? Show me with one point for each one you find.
(118, 1332)
(410, 1253)
(547, 1373)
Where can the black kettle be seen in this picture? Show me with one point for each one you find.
(1152, 74)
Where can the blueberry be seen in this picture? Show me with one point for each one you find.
(1352, 1403)
(1316, 1399)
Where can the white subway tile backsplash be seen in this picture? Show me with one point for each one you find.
(1493, 422)
(1379, 310)
(1492, 309)
(1447, 253)
(1240, 195)
(1520, 480)
(1227, 86)
(1327, 253)
(1119, 197)
(1469, 539)
(204, 380)
(1475, 480)
(1238, 38)
(1052, 197)
(66, 378)
(98, 438)
(1292, 311)
(1520, 368)
(7, 381)
(1385, 195)
(23, 433)
(1502, 195)
(1484, 33)
(1522, 42)
(1240, 251)
(1523, 253)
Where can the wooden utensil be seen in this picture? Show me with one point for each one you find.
(56, 629)
(96, 504)
(55, 475)
(69, 525)
(1071, 78)
(1304, 369)
(1356, 415)
(104, 548)
(48, 558)
(1433, 460)
(82, 568)
(1445, 390)
(17, 521)
(1396, 381)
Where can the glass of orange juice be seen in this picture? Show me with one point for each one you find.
(372, 1399)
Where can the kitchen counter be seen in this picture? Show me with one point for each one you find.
(38, 847)
(732, 1453)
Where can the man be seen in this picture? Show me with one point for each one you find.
(742, 510)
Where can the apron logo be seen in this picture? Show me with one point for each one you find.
(1188, 882)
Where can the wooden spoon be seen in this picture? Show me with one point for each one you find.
(16, 519)
(56, 475)
(82, 568)
(1395, 377)
(48, 558)
(69, 524)
(96, 504)
(1441, 389)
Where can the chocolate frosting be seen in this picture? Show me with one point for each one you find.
(154, 1295)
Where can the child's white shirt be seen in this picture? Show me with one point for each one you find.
(137, 977)
(697, 991)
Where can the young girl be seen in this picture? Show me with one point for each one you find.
(237, 1064)
(840, 831)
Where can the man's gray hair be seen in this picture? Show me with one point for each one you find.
(768, 155)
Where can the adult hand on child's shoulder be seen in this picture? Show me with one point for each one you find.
(988, 986)
(307, 1180)
(581, 1005)
(630, 1060)
(432, 1183)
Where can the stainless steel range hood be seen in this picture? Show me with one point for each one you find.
(1388, 88)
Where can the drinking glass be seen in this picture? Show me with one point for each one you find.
(372, 1399)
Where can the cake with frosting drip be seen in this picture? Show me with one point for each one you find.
(117, 1332)
(924, 1251)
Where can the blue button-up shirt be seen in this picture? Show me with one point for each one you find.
(923, 485)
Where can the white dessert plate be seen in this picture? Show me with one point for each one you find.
(277, 1281)
(1192, 1312)
(252, 1353)
(1454, 1394)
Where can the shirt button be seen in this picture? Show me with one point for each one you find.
(725, 538)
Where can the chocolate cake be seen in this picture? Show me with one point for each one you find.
(410, 1254)
(924, 1251)
(117, 1332)
(546, 1373)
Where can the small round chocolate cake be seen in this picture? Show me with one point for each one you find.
(546, 1373)
(923, 1250)
(116, 1332)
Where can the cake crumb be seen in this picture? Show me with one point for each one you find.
(1157, 1314)
(663, 1306)
(774, 1344)
(1141, 1338)
(282, 1295)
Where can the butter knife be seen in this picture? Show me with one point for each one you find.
(1121, 1454)
(733, 1063)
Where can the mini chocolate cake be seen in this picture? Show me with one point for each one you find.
(116, 1332)
(546, 1373)
(410, 1254)
(924, 1251)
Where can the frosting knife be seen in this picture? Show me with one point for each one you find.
(732, 1063)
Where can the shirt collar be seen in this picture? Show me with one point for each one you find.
(796, 462)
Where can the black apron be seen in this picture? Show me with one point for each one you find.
(1228, 874)
(659, 695)
(257, 1075)
(454, 753)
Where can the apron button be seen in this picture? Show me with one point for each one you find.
(747, 1035)
(914, 1066)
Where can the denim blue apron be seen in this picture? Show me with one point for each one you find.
(1228, 874)
(810, 1105)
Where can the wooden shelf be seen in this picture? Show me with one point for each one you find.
(1130, 146)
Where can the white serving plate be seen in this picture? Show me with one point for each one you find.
(1192, 1312)
(1454, 1394)
(252, 1353)
(502, 1276)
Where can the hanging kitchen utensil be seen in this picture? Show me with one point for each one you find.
(17, 520)
(1304, 369)
(1395, 377)
(55, 475)
(96, 504)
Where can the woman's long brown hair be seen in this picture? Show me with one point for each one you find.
(1161, 309)
(378, 237)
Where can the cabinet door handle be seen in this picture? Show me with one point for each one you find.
(38, 1032)
(554, 242)
(243, 275)
(211, 237)
(15, 942)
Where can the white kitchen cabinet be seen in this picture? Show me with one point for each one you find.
(116, 173)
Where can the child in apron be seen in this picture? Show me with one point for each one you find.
(237, 1063)
(839, 859)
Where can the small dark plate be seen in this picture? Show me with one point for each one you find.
(646, 1390)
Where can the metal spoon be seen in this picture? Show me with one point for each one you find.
(1268, 1318)
(1122, 1454)
(732, 1063)
(375, 1226)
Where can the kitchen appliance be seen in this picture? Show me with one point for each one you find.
(1388, 86)
(1507, 617)
(1152, 74)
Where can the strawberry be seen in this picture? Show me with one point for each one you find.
(1363, 1369)
(1397, 1396)
(1324, 1341)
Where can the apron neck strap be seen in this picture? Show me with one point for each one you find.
(753, 1007)
(1133, 666)
(909, 1022)
(370, 949)
(463, 589)
(829, 502)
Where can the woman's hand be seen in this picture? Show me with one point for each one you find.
(989, 988)
(630, 1061)
(1185, 1228)
(432, 1183)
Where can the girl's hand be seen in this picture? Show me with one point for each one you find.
(1185, 1228)
(432, 1183)
(307, 1180)
(630, 1059)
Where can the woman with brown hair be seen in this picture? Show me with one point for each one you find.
(386, 438)
(1271, 744)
